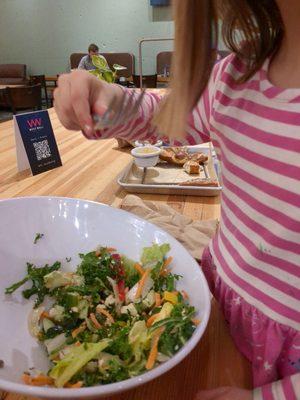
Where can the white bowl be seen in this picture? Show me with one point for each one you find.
(146, 156)
(71, 226)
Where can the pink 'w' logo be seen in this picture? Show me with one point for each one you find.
(33, 123)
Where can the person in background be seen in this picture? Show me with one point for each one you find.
(86, 61)
(248, 105)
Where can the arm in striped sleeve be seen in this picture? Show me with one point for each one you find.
(198, 127)
(285, 389)
(141, 128)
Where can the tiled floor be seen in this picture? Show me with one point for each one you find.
(5, 115)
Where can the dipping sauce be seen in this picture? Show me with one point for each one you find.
(146, 150)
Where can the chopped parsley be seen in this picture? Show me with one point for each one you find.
(38, 236)
(35, 275)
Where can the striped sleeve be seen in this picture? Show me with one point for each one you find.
(198, 127)
(285, 389)
(140, 127)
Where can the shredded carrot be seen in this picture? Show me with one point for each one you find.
(97, 253)
(154, 349)
(76, 385)
(164, 271)
(106, 313)
(26, 379)
(168, 262)
(196, 321)
(110, 249)
(77, 343)
(39, 380)
(78, 330)
(42, 380)
(185, 295)
(142, 283)
(151, 320)
(95, 321)
(45, 314)
(157, 300)
(139, 269)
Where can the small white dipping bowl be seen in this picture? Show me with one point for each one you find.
(146, 156)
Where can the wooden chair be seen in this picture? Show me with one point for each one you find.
(24, 98)
(124, 59)
(149, 81)
(40, 79)
(13, 74)
(163, 62)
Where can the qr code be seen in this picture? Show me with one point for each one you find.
(42, 149)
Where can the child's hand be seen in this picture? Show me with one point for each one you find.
(225, 393)
(78, 95)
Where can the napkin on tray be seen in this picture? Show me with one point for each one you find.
(194, 235)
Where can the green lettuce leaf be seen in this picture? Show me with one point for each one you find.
(154, 254)
(65, 369)
(108, 76)
(100, 63)
(96, 73)
(139, 339)
(118, 67)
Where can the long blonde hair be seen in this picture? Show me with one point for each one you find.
(196, 39)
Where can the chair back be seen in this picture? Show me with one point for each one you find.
(40, 79)
(149, 81)
(13, 74)
(75, 59)
(125, 59)
(25, 97)
(163, 62)
(37, 79)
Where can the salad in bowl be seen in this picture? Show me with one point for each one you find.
(111, 319)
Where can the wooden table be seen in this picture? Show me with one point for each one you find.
(51, 78)
(10, 86)
(163, 79)
(89, 172)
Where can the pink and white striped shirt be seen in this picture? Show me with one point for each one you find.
(255, 129)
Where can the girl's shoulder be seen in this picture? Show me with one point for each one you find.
(230, 67)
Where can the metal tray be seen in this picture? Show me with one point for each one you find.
(207, 191)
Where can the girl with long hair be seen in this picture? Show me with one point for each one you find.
(248, 105)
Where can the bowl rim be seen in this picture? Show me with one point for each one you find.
(113, 388)
(139, 143)
(135, 152)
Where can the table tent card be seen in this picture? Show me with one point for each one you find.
(35, 142)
